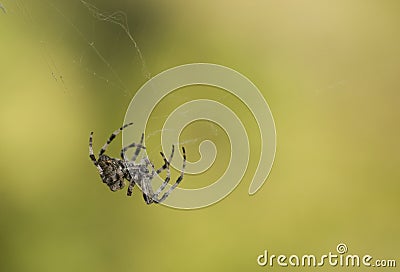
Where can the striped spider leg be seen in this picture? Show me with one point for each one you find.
(142, 176)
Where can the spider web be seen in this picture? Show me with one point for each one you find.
(73, 19)
(119, 18)
(81, 25)
(92, 37)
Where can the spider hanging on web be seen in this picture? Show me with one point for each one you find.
(114, 172)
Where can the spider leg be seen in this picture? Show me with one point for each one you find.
(130, 188)
(91, 153)
(137, 151)
(168, 177)
(112, 137)
(166, 162)
(148, 194)
(129, 176)
(177, 181)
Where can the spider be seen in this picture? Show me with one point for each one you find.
(113, 171)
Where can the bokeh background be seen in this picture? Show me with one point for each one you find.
(329, 71)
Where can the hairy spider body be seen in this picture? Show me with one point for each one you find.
(114, 172)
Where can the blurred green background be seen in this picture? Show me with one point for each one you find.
(329, 71)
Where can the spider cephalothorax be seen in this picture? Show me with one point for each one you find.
(114, 171)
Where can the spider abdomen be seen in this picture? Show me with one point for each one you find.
(112, 173)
